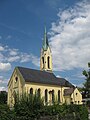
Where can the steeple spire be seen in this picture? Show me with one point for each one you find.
(45, 30)
(46, 57)
(45, 40)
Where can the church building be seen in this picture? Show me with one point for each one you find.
(27, 80)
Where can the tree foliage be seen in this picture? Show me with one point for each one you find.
(3, 97)
(6, 113)
(31, 107)
(86, 89)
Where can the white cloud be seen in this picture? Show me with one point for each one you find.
(35, 60)
(70, 37)
(1, 48)
(3, 88)
(2, 81)
(1, 57)
(25, 57)
(9, 55)
(13, 52)
(13, 58)
(1, 77)
(5, 66)
(30, 57)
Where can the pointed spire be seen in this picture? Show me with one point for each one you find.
(45, 31)
(45, 41)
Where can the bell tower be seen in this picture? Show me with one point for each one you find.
(46, 57)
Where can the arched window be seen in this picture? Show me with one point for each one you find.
(39, 92)
(31, 91)
(58, 96)
(46, 96)
(52, 96)
(48, 59)
(43, 61)
(16, 79)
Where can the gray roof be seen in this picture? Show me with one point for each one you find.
(68, 91)
(43, 77)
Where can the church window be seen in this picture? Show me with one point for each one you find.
(43, 60)
(46, 96)
(16, 79)
(31, 91)
(48, 59)
(76, 94)
(38, 92)
(58, 96)
(52, 96)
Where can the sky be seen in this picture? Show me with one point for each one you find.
(22, 25)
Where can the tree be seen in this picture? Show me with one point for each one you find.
(3, 97)
(87, 82)
(29, 106)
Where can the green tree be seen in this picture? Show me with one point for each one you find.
(29, 106)
(86, 88)
(3, 97)
(6, 113)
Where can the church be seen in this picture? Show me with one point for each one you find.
(27, 80)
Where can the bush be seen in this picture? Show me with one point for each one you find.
(6, 113)
(31, 107)
(3, 97)
(66, 112)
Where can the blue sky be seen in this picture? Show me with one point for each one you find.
(21, 33)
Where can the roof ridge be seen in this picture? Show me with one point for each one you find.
(36, 70)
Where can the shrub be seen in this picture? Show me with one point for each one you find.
(6, 113)
(29, 106)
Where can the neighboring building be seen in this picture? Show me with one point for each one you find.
(26, 80)
(72, 95)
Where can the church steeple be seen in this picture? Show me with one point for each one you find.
(46, 57)
(45, 41)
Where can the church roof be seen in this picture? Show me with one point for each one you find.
(68, 91)
(43, 77)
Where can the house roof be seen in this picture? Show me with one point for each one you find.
(37, 76)
(68, 91)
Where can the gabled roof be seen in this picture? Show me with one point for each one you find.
(43, 77)
(68, 91)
